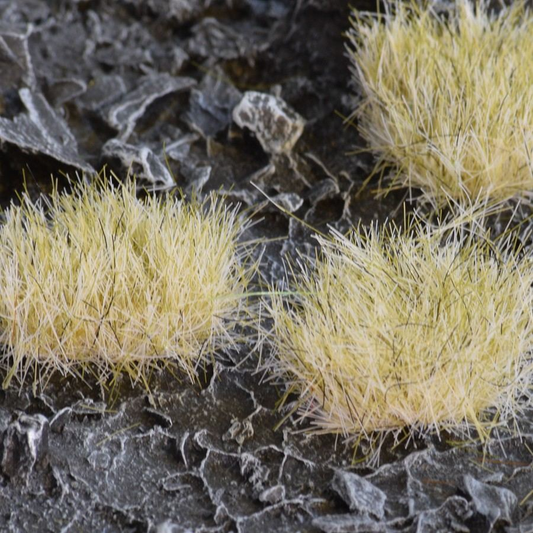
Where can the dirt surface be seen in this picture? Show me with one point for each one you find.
(168, 90)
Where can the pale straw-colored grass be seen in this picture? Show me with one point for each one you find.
(447, 99)
(101, 281)
(394, 331)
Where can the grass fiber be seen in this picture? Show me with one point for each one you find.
(447, 98)
(99, 280)
(420, 329)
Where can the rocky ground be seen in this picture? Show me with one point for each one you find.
(149, 87)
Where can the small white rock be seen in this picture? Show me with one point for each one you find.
(276, 126)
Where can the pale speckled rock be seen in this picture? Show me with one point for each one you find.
(276, 126)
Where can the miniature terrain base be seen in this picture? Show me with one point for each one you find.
(149, 86)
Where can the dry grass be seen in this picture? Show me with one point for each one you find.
(447, 99)
(390, 331)
(101, 277)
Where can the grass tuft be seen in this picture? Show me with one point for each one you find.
(102, 281)
(390, 331)
(447, 98)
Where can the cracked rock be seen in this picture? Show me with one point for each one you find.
(349, 524)
(41, 130)
(276, 126)
(212, 104)
(124, 115)
(25, 443)
(141, 161)
(15, 61)
(450, 516)
(254, 471)
(359, 494)
(495, 503)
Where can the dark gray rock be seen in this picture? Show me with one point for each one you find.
(324, 190)
(16, 67)
(141, 162)
(40, 130)
(212, 103)
(181, 10)
(451, 516)
(214, 39)
(102, 92)
(347, 523)
(64, 90)
(273, 494)
(359, 494)
(289, 202)
(24, 446)
(497, 504)
(124, 114)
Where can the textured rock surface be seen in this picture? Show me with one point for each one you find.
(359, 494)
(150, 86)
(276, 126)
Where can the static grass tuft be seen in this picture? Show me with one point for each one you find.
(102, 281)
(390, 331)
(447, 98)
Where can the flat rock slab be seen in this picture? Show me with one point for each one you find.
(40, 130)
(244, 98)
(359, 494)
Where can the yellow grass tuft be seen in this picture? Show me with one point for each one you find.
(447, 98)
(101, 280)
(414, 330)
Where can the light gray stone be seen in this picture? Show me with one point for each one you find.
(276, 126)
(359, 494)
